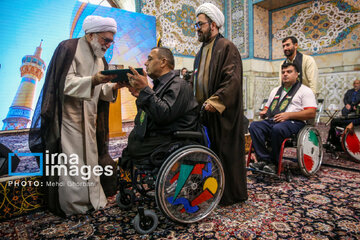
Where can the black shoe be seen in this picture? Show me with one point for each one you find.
(257, 165)
(270, 168)
(328, 146)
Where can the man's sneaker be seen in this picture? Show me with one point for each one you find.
(270, 168)
(327, 146)
(257, 165)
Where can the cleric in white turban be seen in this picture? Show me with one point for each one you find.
(74, 113)
(217, 83)
(212, 12)
(94, 24)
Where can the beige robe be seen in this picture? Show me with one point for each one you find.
(78, 131)
(202, 85)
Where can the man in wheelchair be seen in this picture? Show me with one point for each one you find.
(351, 99)
(337, 127)
(167, 107)
(285, 112)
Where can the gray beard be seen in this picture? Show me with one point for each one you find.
(97, 48)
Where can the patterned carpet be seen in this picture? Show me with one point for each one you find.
(324, 206)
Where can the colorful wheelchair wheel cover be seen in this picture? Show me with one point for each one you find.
(309, 150)
(351, 144)
(190, 184)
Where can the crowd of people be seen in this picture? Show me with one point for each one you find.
(72, 112)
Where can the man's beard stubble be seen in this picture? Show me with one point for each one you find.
(97, 48)
(290, 52)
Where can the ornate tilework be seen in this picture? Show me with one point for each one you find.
(261, 32)
(239, 26)
(267, 84)
(333, 86)
(322, 26)
(175, 21)
(354, 3)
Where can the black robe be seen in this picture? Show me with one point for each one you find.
(226, 130)
(46, 123)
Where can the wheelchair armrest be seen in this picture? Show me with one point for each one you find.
(188, 134)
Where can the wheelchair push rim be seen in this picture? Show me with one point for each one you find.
(351, 144)
(190, 184)
(310, 150)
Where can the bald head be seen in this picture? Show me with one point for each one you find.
(356, 85)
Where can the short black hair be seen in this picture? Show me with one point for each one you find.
(285, 65)
(184, 68)
(166, 53)
(293, 39)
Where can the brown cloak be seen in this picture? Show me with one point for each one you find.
(226, 130)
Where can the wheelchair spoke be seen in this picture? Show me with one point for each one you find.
(190, 185)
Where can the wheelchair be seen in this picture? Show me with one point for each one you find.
(309, 151)
(187, 182)
(351, 143)
(344, 140)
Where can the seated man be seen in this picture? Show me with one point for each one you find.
(183, 72)
(168, 107)
(286, 111)
(333, 141)
(351, 99)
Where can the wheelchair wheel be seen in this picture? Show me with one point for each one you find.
(147, 223)
(125, 199)
(190, 184)
(351, 144)
(309, 150)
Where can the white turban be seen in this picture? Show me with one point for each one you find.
(212, 12)
(93, 24)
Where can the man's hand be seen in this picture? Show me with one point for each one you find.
(119, 85)
(133, 91)
(348, 106)
(350, 128)
(208, 107)
(263, 113)
(137, 81)
(99, 78)
(281, 117)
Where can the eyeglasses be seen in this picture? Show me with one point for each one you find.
(199, 24)
(106, 40)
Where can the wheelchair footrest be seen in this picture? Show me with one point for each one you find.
(263, 172)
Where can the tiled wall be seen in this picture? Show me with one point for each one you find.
(261, 33)
(327, 29)
(239, 26)
(320, 26)
(175, 21)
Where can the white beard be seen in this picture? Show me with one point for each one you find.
(99, 50)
